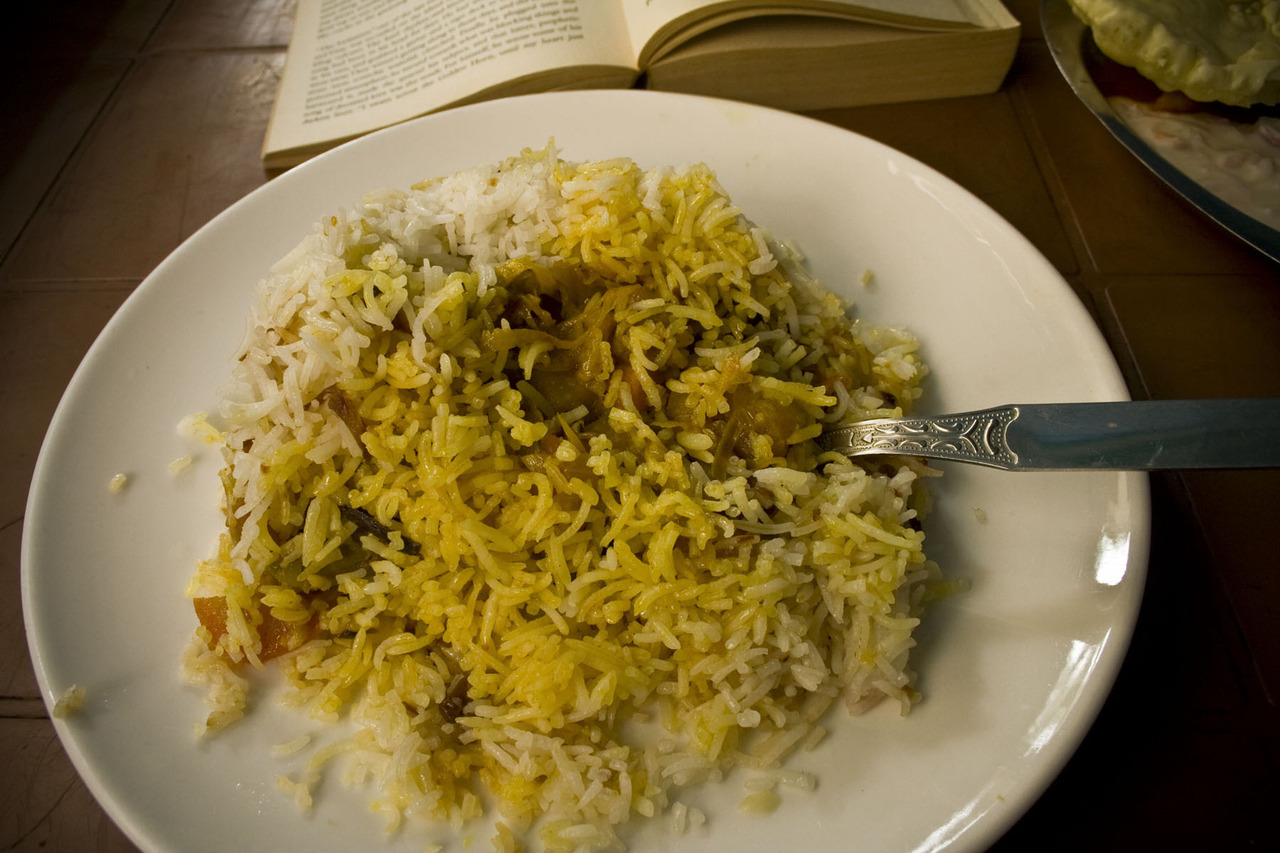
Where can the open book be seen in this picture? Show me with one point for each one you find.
(358, 65)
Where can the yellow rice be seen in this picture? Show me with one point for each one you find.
(569, 613)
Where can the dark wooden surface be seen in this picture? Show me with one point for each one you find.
(130, 123)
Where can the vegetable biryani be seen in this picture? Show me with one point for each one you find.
(520, 483)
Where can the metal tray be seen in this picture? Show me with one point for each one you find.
(1067, 37)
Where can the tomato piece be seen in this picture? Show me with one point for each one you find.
(280, 637)
(212, 613)
(277, 637)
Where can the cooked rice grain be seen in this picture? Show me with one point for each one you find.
(519, 459)
(69, 702)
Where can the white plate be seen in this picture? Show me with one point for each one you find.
(1013, 671)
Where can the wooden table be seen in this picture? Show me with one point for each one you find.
(130, 123)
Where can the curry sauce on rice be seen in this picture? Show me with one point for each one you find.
(520, 482)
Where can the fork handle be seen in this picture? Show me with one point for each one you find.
(978, 437)
(1148, 435)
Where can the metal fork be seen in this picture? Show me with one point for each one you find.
(1134, 435)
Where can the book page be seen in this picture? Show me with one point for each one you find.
(358, 65)
(674, 21)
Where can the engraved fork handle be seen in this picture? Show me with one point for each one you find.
(977, 437)
(1147, 435)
